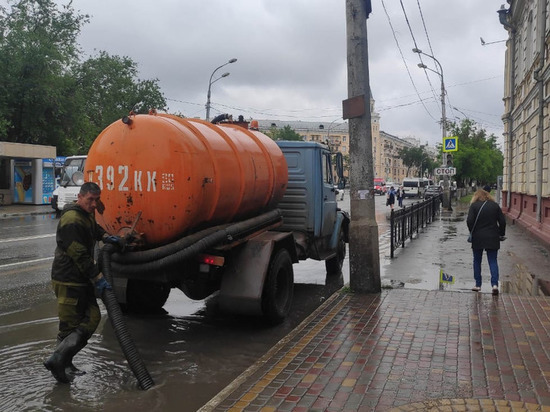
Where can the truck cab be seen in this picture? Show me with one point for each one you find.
(72, 177)
(309, 206)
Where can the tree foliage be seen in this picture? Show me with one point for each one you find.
(37, 48)
(47, 95)
(478, 157)
(416, 157)
(109, 90)
(286, 133)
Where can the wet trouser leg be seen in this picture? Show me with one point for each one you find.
(77, 308)
(493, 266)
(79, 316)
(478, 255)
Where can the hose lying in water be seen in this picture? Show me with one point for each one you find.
(153, 260)
(119, 325)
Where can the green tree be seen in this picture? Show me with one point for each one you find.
(109, 89)
(478, 157)
(47, 96)
(37, 47)
(286, 133)
(415, 157)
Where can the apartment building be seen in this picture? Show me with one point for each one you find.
(385, 147)
(526, 188)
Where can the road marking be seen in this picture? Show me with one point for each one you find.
(27, 262)
(22, 239)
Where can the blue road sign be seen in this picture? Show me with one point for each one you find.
(450, 144)
(446, 278)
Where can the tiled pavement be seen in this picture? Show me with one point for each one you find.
(406, 350)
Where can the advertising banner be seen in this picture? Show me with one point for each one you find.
(23, 182)
(48, 180)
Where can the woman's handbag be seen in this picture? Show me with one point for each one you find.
(474, 226)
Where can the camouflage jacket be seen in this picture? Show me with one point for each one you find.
(77, 233)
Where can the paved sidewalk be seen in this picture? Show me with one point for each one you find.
(406, 350)
(10, 211)
(423, 346)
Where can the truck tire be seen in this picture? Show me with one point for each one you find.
(143, 296)
(334, 264)
(278, 288)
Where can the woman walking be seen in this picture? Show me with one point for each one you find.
(487, 227)
(390, 198)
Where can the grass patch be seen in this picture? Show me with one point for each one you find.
(466, 199)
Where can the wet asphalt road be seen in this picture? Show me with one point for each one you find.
(192, 352)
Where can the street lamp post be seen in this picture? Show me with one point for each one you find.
(212, 82)
(446, 190)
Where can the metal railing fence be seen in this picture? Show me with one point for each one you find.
(404, 223)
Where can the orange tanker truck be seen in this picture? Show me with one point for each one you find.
(216, 207)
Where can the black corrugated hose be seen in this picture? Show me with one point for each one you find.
(119, 325)
(154, 260)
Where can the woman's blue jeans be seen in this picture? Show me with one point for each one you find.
(493, 265)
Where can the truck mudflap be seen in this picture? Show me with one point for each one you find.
(242, 286)
(342, 223)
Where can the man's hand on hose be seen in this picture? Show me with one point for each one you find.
(101, 284)
(115, 240)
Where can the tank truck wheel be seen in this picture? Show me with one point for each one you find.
(334, 264)
(146, 297)
(278, 288)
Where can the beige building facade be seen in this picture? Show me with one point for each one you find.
(386, 147)
(526, 188)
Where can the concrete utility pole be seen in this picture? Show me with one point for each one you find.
(363, 245)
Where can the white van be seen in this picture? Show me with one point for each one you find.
(415, 186)
(70, 182)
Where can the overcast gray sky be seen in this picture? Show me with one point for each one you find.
(292, 57)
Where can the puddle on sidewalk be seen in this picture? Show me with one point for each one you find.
(520, 283)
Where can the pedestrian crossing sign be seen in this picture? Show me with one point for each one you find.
(446, 278)
(450, 144)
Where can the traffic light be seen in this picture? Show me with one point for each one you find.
(449, 160)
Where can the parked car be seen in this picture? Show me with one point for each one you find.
(379, 186)
(433, 190)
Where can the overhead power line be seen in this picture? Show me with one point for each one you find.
(404, 61)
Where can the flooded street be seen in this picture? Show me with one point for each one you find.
(190, 356)
(193, 351)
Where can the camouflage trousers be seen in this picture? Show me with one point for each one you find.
(77, 308)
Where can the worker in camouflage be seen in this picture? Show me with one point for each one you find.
(74, 275)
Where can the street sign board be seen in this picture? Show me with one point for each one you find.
(450, 144)
(445, 171)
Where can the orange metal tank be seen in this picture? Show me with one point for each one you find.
(182, 174)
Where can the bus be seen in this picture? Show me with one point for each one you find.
(415, 186)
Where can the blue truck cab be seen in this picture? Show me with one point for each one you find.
(309, 207)
(260, 278)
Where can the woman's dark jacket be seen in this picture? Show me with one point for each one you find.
(490, 225)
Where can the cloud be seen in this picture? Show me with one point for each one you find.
(292, 57)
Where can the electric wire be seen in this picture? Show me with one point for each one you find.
(404, 61)
(430, 46)
(416, 47)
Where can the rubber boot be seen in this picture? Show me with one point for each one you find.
(70, 368)
(64, 353)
